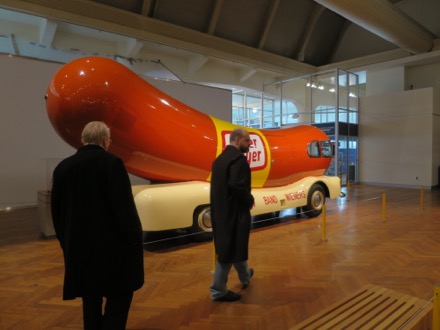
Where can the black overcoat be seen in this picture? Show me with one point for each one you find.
(96, 222)
(231, 201)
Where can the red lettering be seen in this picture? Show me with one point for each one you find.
(253, 156)
(270, 200)
(295, 195)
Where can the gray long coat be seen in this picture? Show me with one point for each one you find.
(231, 201)
(96, 222)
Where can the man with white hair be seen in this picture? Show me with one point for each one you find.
(99, 230)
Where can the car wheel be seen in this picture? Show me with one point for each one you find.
(201, 229)
(315, 201)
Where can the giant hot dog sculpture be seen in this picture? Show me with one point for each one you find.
(162, 139)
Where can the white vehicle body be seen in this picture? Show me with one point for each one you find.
(182, 205)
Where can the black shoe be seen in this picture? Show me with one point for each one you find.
(251, 273)
(229, 296)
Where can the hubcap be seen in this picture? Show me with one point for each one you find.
(204, 220)
(317, 200)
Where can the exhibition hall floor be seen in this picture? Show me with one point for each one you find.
(385, 236)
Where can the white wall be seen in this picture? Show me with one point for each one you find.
(26, 137)
(214, 101)
(29, 146)
(423, 76)
(385, 81)
(396, 139)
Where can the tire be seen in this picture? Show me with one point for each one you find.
(315, 201)
(201, 229)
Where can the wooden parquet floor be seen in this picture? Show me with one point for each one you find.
(297, 274)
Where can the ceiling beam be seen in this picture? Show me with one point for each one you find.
(246, 74)
(344, 29)
(130, 47)
(95, 15)
(196, 62)
(148, 7)
(385, 20)
(269, 21)
(311, 24)
(47, 31)
(214, 17)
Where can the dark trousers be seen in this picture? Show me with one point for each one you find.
(115, 313)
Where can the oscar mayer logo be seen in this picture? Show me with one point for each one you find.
(257, 157)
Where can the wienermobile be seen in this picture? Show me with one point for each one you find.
(173, 145)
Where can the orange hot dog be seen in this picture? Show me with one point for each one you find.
(161, 138)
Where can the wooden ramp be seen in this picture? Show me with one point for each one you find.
(373, 307)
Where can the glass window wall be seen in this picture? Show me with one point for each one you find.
(328, 100)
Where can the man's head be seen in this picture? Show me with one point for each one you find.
(239, 138)
(96, 132)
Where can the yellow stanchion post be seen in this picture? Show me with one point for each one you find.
(323, 224)
(422, 198)
(436, 308)
(384, 207)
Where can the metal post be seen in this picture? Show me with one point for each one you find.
(336, 157)
(323, 224)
